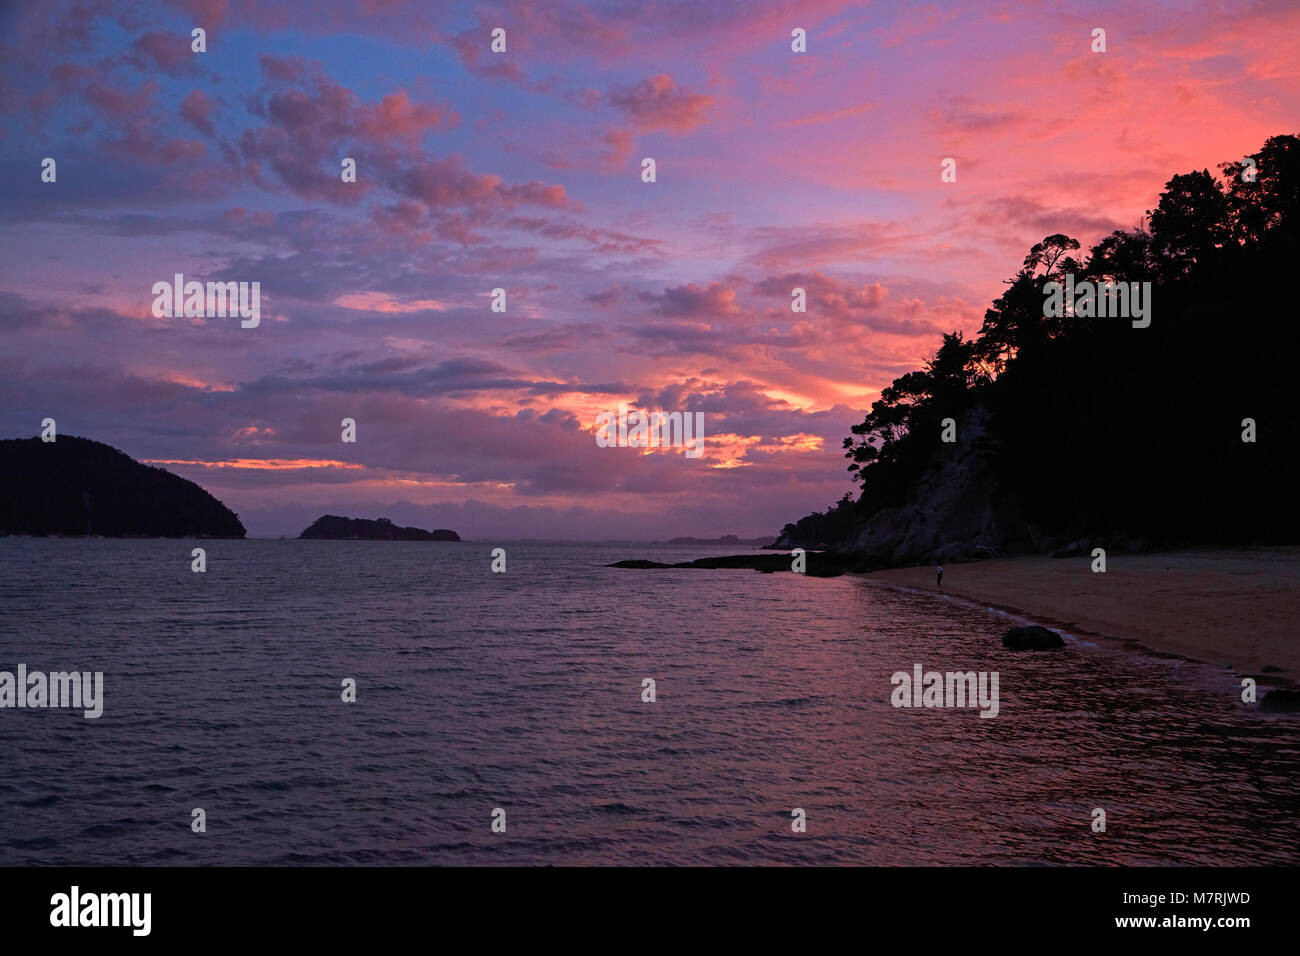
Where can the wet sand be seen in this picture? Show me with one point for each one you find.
(1239, 607)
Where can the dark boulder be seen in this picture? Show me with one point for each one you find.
(1030, 638)
(1281, 702)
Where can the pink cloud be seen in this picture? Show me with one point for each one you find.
(447, 182)
(690, 300)
(118, 104)
(209, 14)
(196, 109)
(658, 103)
(398, 118)
(163, 51)
(832, 297)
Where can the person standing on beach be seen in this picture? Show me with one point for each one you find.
(938, 579)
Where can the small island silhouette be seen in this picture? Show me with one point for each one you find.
(336, 527)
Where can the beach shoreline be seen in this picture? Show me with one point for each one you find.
(1235, 607)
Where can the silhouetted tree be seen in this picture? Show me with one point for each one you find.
(1097, 428)
(1189, 224)
(1270, 204)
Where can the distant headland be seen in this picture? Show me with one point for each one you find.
(336, 528)
(725, 539)
(74, 486)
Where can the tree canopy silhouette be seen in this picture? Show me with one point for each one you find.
(1097, 428)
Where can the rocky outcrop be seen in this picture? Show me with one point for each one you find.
(957, 510)
(334, 527)
(75, 486)
(1031, 638)
(955, 513)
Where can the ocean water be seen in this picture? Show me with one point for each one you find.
(522, 691)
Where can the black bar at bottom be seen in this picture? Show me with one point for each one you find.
(640, 907)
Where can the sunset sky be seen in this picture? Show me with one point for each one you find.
(523, 170)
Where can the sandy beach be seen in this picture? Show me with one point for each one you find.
(1239, 607)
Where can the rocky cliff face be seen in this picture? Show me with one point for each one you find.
(955, 513)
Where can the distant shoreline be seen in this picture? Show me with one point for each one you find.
(594, 542)
(1233, 606)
